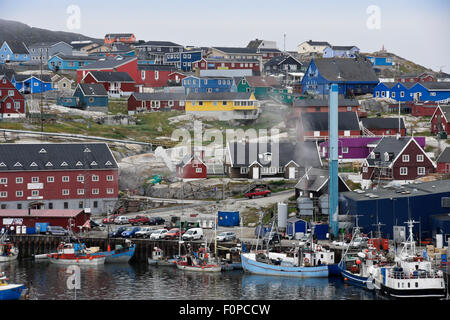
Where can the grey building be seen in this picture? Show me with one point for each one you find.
(48, 49)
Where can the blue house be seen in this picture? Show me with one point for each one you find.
(92, 96)
(14, 51)
(32, 83)
(183, 60)
(340, 51)
(431, 91)
(70, 102)
(209, 84)
(69, 62)
(353, 76)
(380, 61)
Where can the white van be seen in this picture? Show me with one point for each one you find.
(193, 234)
(121, 220)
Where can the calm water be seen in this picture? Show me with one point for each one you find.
(141, 281)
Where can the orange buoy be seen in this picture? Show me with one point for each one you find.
(77, 260)
(345, 279)
(109, 248)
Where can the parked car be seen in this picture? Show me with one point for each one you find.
(226, 236)
(110, 219)
(158, 234)
(121, 220)
(130, 231)
(56, 231)
(174, 233)
(139, 220)
(117, 232)
(145, 232)
(193, 234)
(156, 221)
(271, 237)
(258, 192)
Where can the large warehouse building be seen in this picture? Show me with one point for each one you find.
(424, 202)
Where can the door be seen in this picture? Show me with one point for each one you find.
(255, 173)
(291, 172)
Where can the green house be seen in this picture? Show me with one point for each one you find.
(261, 86)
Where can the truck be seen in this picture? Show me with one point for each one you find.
(258, 192)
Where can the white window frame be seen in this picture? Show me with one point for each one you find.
(80, 178)
(65, 179)
(80, 192)
(35, 179)
(95, 177)
(421, 171)
(3, 194)
(19, 180)
(110, 178)
(403, 171)
(50, 179)
(95, 191)
(19, 194)
(198, 170)
(244, 170)
(420, 158)
(3, 180)
(35, 193)
(109, 191)
(65, 192)
(405, 158)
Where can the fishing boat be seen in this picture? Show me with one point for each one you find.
(310, 263)
(158, 258)
(199, 261)
(357, 268)
(8, 252)
(10, 291)
(411, 276)
(232, 260)
(120, 254)
(74, 253)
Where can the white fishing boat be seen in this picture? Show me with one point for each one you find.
(9, 291)
(74, 253)
(8, 252)
(199, 261)
(158, 258)
(411, 276)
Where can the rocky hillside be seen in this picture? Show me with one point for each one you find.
(17, 31)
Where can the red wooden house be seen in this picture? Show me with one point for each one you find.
(117, 84)
(156, 101)
(191, 167)
(108, 64)
(12, 102)
(175, 78)
(422, 77)
(110, 38)
(443, 162)
(397, 159)
(154, 75)
(314, 125)
(58, 176)
(440, 120)
(421, 109)
(321, 105)
(384, 126)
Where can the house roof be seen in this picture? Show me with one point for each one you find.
(277, 60)
(161, 44)
(343, 47)
(93, 89)
(318, 43)
(444, 156)
(47, 213)
(315, 179)
(262, 81)
(55, 156)
(158, 67)
(237, 50)
(217, 96)
(7, 72)
(390, 85)
(46, 44)
(304, 154)
(324, 102)
(382, 123)
(187, 158)
(74, 57)
(107, 63)
(17, 47)
(23, 77)
(391, 145)
(254, 44)
(108, 76)
(118, 35)
(161, 96)
(434, 85)
(346, 69)
(318, 121)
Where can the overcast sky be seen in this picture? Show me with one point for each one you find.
(416, 30)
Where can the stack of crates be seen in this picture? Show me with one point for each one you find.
(305, 206)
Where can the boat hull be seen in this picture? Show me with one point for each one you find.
(12, 291)
(80, 261)
(434, 293)
(365, 282)
(204, 268)
(256, 267)
(162, 262)
(117, 256)
(8, 258)
(232, 266)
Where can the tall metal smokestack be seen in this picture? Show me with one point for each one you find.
(333, 158)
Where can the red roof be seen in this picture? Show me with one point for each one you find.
(9, 213)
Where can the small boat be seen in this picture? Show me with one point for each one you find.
(159, 259)
(411, 276)
(8, 252)
(74, 253)
(121, 254)
(10, 291)
(232, 260)
(297, 263)
(200, 261)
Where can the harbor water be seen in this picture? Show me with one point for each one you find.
(143, 282)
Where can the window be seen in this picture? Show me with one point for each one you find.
(35, 193)
(420, 158)
(143, 74)
(19, 194)
(198, 170)
(80, 178)
(393, 94)
(35, 179)
(402, 94)
(344, 149)
(95, 191)
(50, 179)
(3, 194)
(405, 158)
(80, 192)
(110, 178)
(95, 204)
(156, 75)
(66, 205)
(65, 192)
(365, 169)
(19, 206)
(347, 133)
(19, 180)
(80, 205)
(95, 178)
(244, 170)
(65, 179)
(421, 171)
(3, 180)
(403, 171)
(109, 190)
(377, 94)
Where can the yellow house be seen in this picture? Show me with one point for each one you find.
(223, 105)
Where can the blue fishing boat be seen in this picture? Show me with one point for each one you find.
(10, 291)
(120, 254)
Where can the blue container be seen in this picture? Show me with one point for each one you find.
(321, 230)
(228, 219)
(443, 257)
(31, 230)
(41, 227)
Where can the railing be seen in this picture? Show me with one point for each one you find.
(413, 275)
